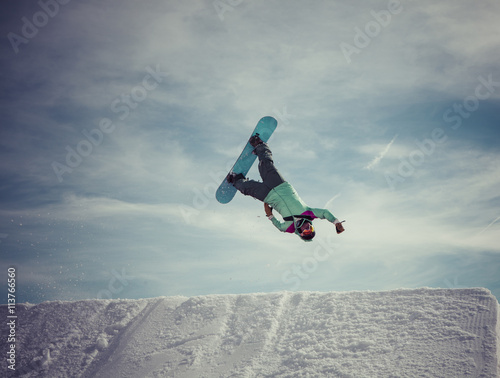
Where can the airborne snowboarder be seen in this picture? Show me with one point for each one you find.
(278, 194)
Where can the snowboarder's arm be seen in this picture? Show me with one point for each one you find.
(269, 210)
(326, 214)
(282, 226)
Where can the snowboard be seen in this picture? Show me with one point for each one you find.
(264, 129)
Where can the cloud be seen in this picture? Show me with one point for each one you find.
(124, 203)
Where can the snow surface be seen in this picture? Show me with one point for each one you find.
(401, 333)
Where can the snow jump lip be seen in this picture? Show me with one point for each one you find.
(413, 332)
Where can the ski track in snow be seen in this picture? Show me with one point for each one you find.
(399, 333)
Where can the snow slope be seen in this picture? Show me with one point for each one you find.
(401, 333)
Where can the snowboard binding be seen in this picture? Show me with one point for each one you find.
(233, 177)
(255, 140)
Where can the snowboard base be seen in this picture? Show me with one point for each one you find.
(265, 128)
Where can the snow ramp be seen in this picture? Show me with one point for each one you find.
(400, 333)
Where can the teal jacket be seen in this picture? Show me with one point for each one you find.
(285, 200)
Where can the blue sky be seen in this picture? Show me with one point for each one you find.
(119, 120)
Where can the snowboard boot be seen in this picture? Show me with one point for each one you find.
(233, 177)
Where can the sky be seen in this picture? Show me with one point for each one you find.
(120, 119)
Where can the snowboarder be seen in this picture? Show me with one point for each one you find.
(276, 193)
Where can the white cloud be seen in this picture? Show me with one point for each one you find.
(172, 149)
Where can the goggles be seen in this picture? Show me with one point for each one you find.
(304, 222)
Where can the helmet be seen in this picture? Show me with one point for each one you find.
(305, 229)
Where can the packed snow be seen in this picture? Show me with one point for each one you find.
(400, 333)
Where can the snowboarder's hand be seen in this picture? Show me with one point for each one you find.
(269, 210)
(339, 227)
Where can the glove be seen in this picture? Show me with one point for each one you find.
(339, 227)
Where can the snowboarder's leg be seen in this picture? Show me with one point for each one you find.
(252, 188)
(270, 175)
